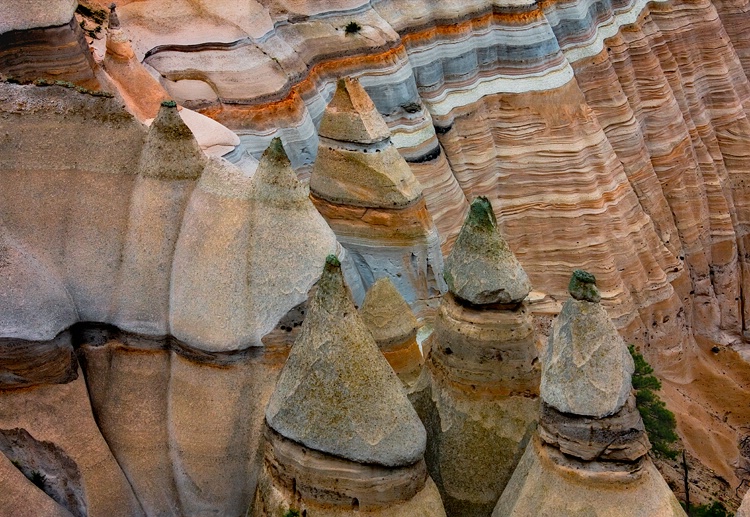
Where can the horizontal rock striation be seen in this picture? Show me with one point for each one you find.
(614, 128)
(57, 52)
(368, 194)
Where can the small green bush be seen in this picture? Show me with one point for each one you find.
(292, 513)
(715, 509)
(39, 479)
(352, 28)
(659, 421)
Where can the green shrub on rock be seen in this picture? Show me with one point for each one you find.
(659, 421)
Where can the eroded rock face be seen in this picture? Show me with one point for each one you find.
(393, 326)
(337, 394)
(586, 365)
(480, 401)
(341, 435)
(583, 459)
(744, 509)
(47, 466)
(372, 200)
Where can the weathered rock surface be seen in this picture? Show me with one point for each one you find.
(60, 439)
(169, 411)
(28, 14)
(481, 269)
(393, 326)
(584, 460)
(586, 365)
(545, 484)
(744, 509)
(372, 200)
(337, 394)
(297, 478)
(480, 402)
(21, 497)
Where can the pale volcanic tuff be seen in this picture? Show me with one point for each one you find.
(498, 86)
(589, 454)
(479, 400)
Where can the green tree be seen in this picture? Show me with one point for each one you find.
(659, 421)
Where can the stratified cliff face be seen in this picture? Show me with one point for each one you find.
(614, 115)
(611, 136)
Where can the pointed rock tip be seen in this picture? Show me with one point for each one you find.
(171, 150)
(481, 214)
(387, 315)
(582, 286)
(275, 180)
(337, 394)
(275, 152)
(481, 268)
(169, 123)
(351, 115)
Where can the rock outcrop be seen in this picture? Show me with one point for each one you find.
(153, 231)
(393, 326)
(42, 40)
(370, 197)
(589, 455)
(341, 435)
(481, 402)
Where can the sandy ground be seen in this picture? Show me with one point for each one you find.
(713, 416)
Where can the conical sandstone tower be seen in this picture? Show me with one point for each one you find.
(239, 270)
(589, 455)
(481, 359)
(374, 204)
(341, 435)
(171, 163)
(394, 327)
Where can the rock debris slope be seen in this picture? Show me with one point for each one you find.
(480, 401)
(589, 455)
(341, 435)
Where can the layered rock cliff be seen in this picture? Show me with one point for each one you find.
(609, 136)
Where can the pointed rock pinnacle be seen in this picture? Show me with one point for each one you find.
(337, 394)
(586, 368)
(387, 315)
(171, 151)
(275, 181)
(351, 115)
(482, 269)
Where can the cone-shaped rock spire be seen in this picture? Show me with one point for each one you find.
(387, 315)
(482, 269)
(357, 164)
(394, 327)
(587, 367)
(171, 151)
(336, 393)
(589, 454)
(275, 181)
(351, 116)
